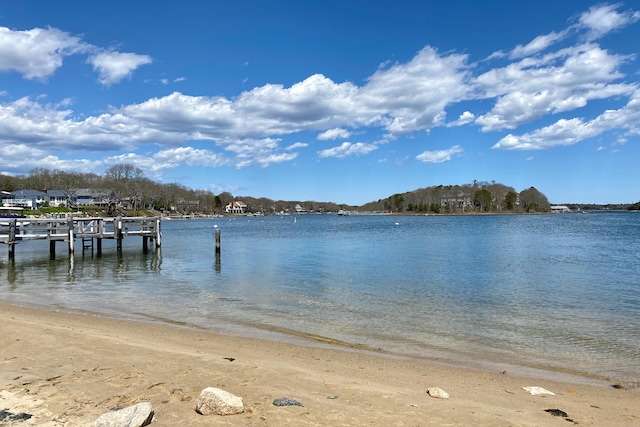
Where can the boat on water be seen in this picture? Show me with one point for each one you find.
(9, 213)
(12, 212)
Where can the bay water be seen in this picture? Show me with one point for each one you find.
(551, 293)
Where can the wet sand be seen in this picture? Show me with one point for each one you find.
(66, 369)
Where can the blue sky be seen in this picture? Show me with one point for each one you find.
(342, 101)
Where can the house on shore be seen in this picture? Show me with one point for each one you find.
(28, 199)
(236, 207)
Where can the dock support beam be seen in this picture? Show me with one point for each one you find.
(52, 249)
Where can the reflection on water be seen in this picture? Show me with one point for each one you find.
(106, 267)
(553, 291)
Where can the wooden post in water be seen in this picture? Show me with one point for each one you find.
(51, 227)
(13, 225)
(217, 234)
(145, 239)
(99, 239)
(218, 264)
(119, 233)
(70, 236)
(158, 234)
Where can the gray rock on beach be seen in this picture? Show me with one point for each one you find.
(219, 402)
(138, 415)
(437, 392)
(287, 401)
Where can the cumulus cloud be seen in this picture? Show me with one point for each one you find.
(412, 97)
(296, 146)
(602, 19)
(36, 53)
(39, 52)
(334, 133)
(465, 118)
(538, 44)
(439, 156)
(112, 67)
(532, 84)
(572, 131)
(348, 149)
(561, 81)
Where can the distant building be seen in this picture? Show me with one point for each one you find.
(91, 197)
(236, 207)
(58, 198)
(560, 209)
(462, 201)
(28, 199)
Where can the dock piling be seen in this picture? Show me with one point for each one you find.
(70, 237)
(13, 225)
(217, 235)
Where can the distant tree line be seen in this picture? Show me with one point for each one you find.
(478, 197)
(126, 181)
(130, 185)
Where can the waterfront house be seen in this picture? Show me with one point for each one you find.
(58, 198)
(92, 197)
(236, 207)
(28, 199)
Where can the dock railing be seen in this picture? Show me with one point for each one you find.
(88, 229)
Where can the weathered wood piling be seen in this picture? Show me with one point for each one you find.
(216, 233)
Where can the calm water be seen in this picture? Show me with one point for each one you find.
(555, 292)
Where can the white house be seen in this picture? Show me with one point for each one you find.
(236, 207)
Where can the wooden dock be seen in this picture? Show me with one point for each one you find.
(88, 230)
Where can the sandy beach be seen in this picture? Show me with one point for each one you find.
(66, 369)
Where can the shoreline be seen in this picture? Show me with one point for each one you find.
(68, 368)
(272, 333)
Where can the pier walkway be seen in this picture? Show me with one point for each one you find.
(89, 230)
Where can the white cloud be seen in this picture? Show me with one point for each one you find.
(112, 66)
(557, 82)
(412, 97)
(297, 145)
(572, 131)
(39, 52)
(36, 53)
(602, 19)
(276, 158)
(347, 149)
(398, 99)
(335, 133)
(465, 118)
(439, 156)
(538, 44)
